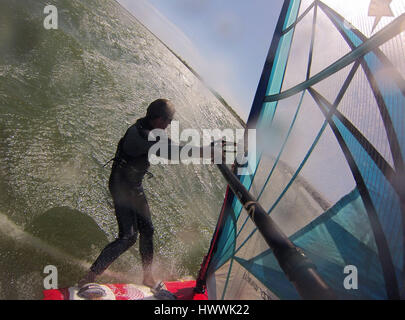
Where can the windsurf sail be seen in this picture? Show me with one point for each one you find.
(329, 114)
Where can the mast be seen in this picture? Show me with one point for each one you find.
(297, 267)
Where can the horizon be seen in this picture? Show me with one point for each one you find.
(223, 44)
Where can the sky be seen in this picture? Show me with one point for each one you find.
(225, 41)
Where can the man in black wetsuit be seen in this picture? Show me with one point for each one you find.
(125, 184)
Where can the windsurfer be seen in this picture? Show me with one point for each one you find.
(130, 165)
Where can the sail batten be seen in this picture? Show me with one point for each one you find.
(330, 172)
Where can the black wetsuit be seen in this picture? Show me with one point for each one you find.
(131, 207)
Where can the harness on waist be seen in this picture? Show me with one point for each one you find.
(123, 158)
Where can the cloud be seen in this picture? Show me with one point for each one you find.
(228, 27)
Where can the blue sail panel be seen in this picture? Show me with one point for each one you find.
(358, 229)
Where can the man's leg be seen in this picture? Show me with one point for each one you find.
(146, 251)
(145, 227)
(127, 224)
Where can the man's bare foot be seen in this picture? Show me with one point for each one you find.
(90, 277)
(148, 280)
